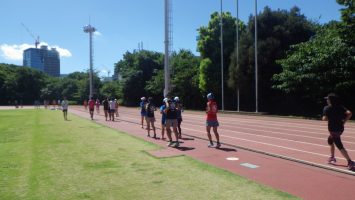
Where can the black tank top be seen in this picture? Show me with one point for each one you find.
(172, 111)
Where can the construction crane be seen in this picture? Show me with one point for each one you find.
(31, 34)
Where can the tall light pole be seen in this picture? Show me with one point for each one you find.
(237, 41)
(256, 57)
(222, 55)
(167, 43)
(89, 29)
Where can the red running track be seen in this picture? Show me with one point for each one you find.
(290, 154)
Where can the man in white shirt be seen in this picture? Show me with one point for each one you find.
(65, 105)
(112, 105)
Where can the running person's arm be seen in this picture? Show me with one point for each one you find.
(208, 107)
(325, 117)
(348, 115)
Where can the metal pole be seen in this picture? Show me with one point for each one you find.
(256, 58)
(89, 29)
(90, 66)
(237, 27)
(166, 58)
(222, 55)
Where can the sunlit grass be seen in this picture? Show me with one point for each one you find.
(44, 157)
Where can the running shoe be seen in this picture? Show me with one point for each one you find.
(351, 165)
(177, 144)
(211, 145)
(331, 160)
(171, 143)
(218, 145)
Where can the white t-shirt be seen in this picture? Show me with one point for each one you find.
(112, 105)
(65, 104)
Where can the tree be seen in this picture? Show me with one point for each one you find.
(314, 68)
(210, 48)
(347, 26)
(110, 89)
(185, 79)
(277, 30)
(137, 69)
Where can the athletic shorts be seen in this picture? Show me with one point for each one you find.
(335, 134)
(112, 110)
(91, 109)
(212, 123)
(143, 114)
(163, 121)
(150, 119)
(65, 110)
(171, 122)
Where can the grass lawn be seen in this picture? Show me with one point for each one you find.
(44, 157)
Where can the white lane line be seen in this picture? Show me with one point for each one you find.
(238, 132)
(272, 127)
(232, 158)
(284, 123)
(268, 144)
(282, 133)
(289, 158)
(268, 125)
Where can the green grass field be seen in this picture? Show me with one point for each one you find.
(44, 157)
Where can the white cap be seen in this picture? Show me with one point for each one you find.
(165, 100)
(176, 99)
(143, 98)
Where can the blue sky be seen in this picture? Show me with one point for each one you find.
(121, 25)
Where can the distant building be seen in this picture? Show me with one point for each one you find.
(116, 76)
(43, 59)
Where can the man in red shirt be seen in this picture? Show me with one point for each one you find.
(211, 120)
(91, 107)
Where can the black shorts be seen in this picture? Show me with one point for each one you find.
(65, 110)
(91, 109)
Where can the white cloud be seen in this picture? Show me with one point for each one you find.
(15, 52)
(62, 52)
(97, 33)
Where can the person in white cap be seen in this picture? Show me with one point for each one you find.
(211, 121)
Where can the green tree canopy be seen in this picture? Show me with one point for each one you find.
(277, 30)
(136, 69)
(314, 68)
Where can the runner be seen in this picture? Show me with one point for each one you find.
(179, 114)
(97, 104)
(336, 115)
(91, 107)
(143, 110)
(150, 108)
(212, 121)
(171, 121)
(64, 105)
(163, 118)
(112, 106)
(106, 107)
(116, 107)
